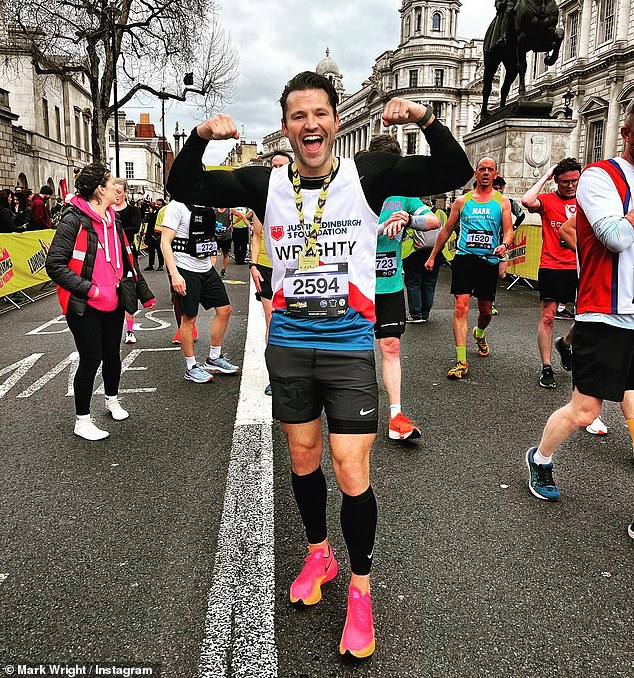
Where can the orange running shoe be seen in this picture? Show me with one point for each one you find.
(320, 567)
(482, 345)
(358, 633)
(403, 428)
(458, 371)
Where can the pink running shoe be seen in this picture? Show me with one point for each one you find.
(358, 633)
(320, 568)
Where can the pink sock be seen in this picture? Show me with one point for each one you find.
(129, 323)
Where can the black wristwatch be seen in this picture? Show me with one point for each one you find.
(252, 264)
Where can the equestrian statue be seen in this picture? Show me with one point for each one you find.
(520, 26)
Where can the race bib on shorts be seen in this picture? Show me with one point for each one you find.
(320, 292)
(386, 264)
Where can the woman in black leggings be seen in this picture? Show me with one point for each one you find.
(88, 259)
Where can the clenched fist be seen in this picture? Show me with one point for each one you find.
(401, 111)
(219, 127)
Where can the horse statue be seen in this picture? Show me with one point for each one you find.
(520, 26)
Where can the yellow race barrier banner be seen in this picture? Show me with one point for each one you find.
(524, 254)
(526, 251)
(22, 260)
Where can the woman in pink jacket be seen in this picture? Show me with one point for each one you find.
(88, 259)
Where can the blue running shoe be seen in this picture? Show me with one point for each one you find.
(198, 375)
(540, 480)
(221, 365)
(268, 390)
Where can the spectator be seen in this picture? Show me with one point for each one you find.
(40, 217)
(7, 212)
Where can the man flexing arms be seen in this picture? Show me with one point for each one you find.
(320, 223)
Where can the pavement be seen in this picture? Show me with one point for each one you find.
(174, 541)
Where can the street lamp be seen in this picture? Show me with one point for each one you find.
(568, 98)
(163, 96)
(114, 12)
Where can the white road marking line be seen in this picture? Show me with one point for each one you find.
(239, 636)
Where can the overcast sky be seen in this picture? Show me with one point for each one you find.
(276, 40)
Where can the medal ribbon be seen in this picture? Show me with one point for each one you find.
(310, 237)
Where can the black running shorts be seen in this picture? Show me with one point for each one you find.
(602, 360)
(305, 381)
(390, 314)
(206, 289)
(224, 245)
(267, 291)
(475, 276)
(558, 285)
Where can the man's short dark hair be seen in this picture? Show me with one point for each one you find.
(386, 143)
(566, 165)
(309, 80)
(499, 181)
(284, 154)
(46, 190)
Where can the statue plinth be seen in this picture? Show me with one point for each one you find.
(523, 147)
(518, 109)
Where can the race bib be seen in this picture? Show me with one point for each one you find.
(321, 292)
(480, 240)
(386, 264)
(206, 248)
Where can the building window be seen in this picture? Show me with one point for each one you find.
(395, 80)
(596, 141)
(77, 130)
(435, 22)
(87, 134)
(412, 143)
(408, 27)
(413, 78)
(58, 123)
(439, 109)
(439, 77)
(573, 34)
(129, 170)
(607, 20)
(418, 18)
(47, 128)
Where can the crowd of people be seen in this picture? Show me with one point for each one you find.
(335, 243)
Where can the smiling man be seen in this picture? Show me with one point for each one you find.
(320, 225)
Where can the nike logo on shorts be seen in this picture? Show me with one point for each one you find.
(363, 412)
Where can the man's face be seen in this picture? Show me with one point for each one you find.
(485, 173)
(120, 196)
(567, 183)
(159, 203)
(498, 187)
(279, 161)
(311, 127)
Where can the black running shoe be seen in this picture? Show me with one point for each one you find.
(547, 380)
(564, 314)
(630, 530)
(565, 352)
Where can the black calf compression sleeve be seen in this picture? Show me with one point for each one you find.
(358, 524)
(310, 494)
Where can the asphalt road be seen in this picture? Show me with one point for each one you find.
(109, 550)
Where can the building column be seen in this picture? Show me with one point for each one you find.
(623, 21)
(612, 124)
(584, 29)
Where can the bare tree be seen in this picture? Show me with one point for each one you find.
(152, 42)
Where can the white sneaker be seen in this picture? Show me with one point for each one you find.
(129, 337)
(114, 407)
(597, 427)
(85, 428)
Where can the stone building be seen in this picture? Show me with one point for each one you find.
(243, 153)
(430, 65)
(51, 127)
(588, 88)
(271, 143)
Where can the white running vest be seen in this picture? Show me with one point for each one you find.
(347, 235)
